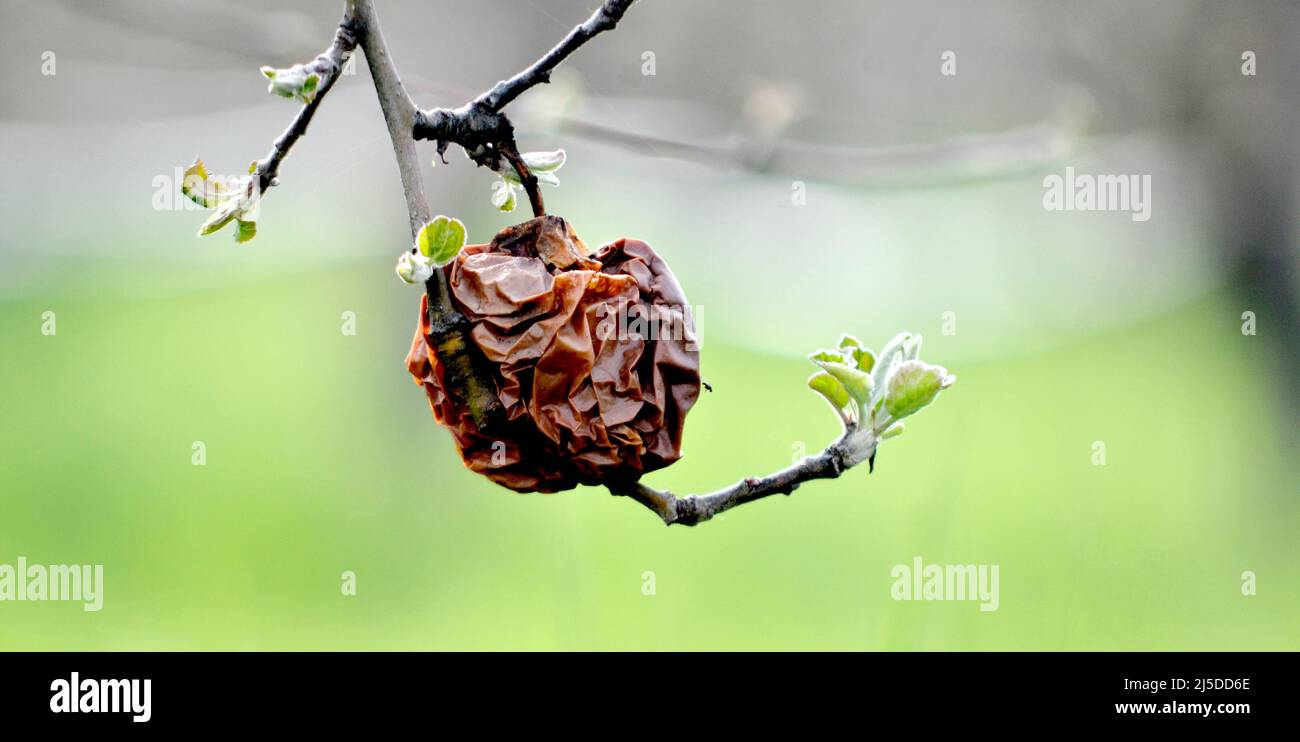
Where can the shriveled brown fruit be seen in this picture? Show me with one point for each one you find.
(593, 356)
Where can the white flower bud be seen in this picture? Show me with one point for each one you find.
(413, 267)
(296, 82)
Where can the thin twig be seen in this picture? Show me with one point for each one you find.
(479, 126)
(850, 450)
(605, 18)
(329, 65)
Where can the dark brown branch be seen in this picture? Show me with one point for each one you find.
(850, 450)
(329, 65)
(479, 126)
(605, 18)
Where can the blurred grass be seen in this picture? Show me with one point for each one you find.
(322, 457)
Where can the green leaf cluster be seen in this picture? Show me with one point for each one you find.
(234, 201)
(877, 390)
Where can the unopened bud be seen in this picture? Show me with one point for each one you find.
(413, 267)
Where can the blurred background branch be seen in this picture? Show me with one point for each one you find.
(767, 147)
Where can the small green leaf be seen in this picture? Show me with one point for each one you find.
(913, 385)
(245, 231)
(826, 385)
(866, 360)
(441, 239)
(503, 196)
(541, 164)
(841, 365)
(826, 356)
(232, 203)
(199, 187)
(221, 217)
(893, 431)
(854, 351)
(544, 162)
(269, 72)
(512, 177)
(858, 383)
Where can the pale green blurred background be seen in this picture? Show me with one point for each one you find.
(322, 456)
